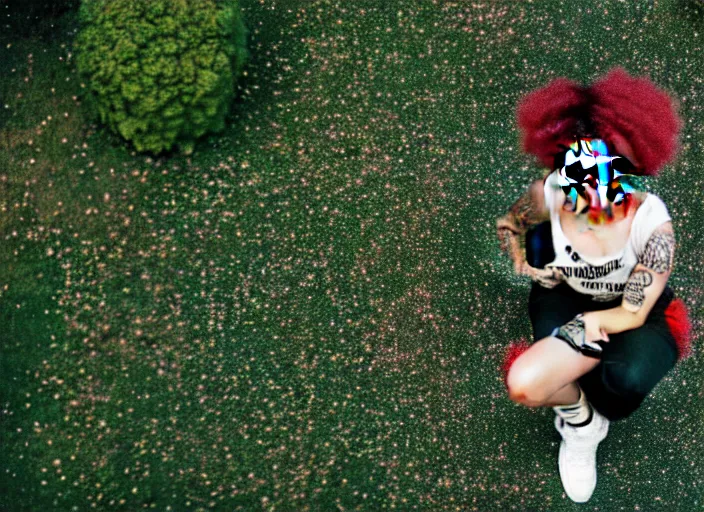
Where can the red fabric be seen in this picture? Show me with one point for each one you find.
(621, 109)
(681, 328)
(515, 349)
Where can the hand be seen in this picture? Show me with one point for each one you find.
(592, 328)
(546, 277)
(582, 333)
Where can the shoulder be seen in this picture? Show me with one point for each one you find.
(550, 189)
(549, 177)
(650, 208)
(652, 215)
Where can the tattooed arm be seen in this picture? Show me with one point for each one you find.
(529, 210)
(650, 275)
(644, 286)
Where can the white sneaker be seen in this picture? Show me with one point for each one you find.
(577, 459)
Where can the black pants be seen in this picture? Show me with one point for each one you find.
(633, 361)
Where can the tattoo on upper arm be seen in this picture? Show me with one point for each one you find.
(505, 235)
(659, 252)
(634, 292)
(525, 212)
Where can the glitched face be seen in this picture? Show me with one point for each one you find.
(595, 183)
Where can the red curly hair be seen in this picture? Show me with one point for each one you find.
(620, 109)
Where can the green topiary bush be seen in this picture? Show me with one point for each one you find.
(161, 73)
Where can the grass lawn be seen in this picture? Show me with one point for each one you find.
(310, 311)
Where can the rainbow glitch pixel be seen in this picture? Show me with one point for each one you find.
(587, 161)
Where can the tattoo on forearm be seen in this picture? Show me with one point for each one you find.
(634, 292)
(524, 212)
(659, 252)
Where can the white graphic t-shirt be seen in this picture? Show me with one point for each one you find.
(603, 278)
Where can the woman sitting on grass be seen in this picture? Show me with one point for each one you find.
(606, 325)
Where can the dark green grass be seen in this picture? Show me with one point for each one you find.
(310, 312)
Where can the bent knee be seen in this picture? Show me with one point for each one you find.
(524, 387)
